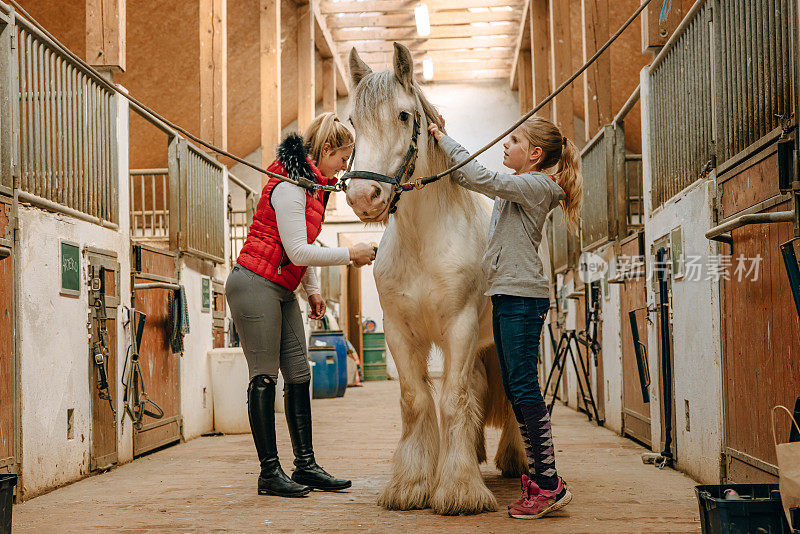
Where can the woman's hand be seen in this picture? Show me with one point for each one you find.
(362, 254)
(318, 306)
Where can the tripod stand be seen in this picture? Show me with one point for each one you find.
(564, 347)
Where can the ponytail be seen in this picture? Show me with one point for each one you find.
(568, 176)
(562, 154)
(326, 128)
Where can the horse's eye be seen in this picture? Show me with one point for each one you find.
(404, 115)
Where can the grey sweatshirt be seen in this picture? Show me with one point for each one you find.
(521, 205)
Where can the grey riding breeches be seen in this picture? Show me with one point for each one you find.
(269, 324)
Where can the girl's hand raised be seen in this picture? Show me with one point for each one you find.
(434, 130)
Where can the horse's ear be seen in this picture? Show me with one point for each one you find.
(403, 65)
(358, 69)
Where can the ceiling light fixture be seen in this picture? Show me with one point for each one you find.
(423, 20)
(427, 69)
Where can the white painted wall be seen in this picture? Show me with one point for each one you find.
(696, 323)
(55, 370)
(196, 394)
(611, 341)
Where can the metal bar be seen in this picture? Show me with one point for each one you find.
(136, 172)
(164, 205)
(24, 111)
(47, 108)
(153, 204)
(628, 106)
(155, 285)
(61, 138)
(35, 200)
(749, 219)
(142, 207)
(37, 121)
(73, 142)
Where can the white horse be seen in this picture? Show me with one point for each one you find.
(431, 286)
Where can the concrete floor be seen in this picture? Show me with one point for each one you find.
(208, 484)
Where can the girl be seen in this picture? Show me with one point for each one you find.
(518, 286)
(260, 292)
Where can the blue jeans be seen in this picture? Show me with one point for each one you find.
(517, 323)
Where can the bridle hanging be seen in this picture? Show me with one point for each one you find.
(398, 181)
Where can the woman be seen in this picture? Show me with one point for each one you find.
(518, 286)
(260, 292)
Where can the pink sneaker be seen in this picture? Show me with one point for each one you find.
(541, 502)
(526, 492)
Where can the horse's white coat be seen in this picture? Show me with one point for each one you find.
(430, 282)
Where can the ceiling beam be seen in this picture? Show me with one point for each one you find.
(523, 42)
(407, 19)
(394, 6)
(437, 32)
(328, 49)
(486, 41)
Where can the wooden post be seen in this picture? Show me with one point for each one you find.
(105, 34)
(561, 52)
(306, 94)
(597, 78)
(213, 72)
(540, 54)
(270, 65)
(655, 33)
(525, 81)
(328, 85)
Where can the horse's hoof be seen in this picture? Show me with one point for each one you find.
(399, 495)
(465, 498)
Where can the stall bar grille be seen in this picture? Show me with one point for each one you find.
(754, 66)
(149, 190)
(681, 110)
(203, 205)
(67, 140)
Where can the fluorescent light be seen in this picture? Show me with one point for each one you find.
(423, 19)
(427, 68)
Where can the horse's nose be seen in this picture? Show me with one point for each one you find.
(376, 192)
(349, 200)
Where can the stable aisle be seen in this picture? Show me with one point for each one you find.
(208, 484)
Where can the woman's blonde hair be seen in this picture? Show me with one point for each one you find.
(562, 154)
(326, 128)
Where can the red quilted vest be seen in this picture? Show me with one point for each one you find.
(263, 251)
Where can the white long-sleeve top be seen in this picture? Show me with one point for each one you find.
(289, 203)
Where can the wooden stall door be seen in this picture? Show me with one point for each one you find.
(7, 404)
(761, 353)
(635, 412)
(354, 330)
(160, 367)
(104, 421)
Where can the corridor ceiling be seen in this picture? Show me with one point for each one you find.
(468, 40)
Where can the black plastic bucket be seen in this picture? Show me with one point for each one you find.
(7, 483)
(756, 509)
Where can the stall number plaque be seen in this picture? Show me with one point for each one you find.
(206, 294)
(70, 269)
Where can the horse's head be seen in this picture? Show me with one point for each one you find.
(384, 108)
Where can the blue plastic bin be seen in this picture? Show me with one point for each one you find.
(336, 339)
(326, 372)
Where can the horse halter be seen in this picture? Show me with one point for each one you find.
(406, 170)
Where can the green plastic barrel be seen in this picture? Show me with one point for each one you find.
(374, 356)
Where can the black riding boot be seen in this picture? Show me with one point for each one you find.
(298, 415)
(261, 409)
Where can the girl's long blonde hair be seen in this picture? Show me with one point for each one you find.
(326, 128)
(562, 154)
